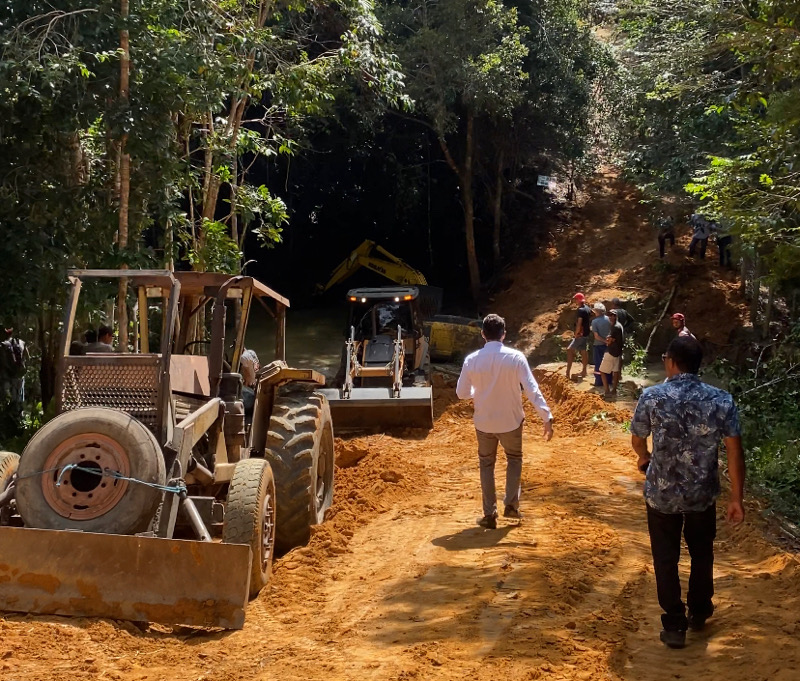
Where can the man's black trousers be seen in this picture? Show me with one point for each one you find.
(699, 529)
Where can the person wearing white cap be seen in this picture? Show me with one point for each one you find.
(601, 327)
(580, 342)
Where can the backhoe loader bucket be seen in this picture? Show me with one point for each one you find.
(143, 579)
(368, 408)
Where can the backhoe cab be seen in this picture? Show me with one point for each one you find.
(384, 376)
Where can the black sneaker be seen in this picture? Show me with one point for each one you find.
(672, 638)
(696, 623)
(511, 512)
(488, 521)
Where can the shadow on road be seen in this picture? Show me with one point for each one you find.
(472, 538)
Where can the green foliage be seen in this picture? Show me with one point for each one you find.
(767, 394)
(214, 85)
(709, 108)
(636, 365)
(215, 252)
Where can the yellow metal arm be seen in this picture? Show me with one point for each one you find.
(377, 259)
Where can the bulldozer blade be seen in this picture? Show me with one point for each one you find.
(143, 579)
(369, 408)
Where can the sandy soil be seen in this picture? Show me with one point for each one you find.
(400, 583)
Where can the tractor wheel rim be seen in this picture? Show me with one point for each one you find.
(82, 493)
(267, 531)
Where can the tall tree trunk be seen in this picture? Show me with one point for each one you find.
(768, 310)
(465, 180)
(124, 176)
(469, 213)
(756, 290)
(498, 212)
(48, 344)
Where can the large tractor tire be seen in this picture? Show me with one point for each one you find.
(250, 517)
(9, 462)
(60, 486)
(300, 450)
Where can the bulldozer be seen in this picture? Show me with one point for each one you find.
(384, 378)
(165, 484)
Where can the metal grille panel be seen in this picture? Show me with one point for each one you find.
(114, 383)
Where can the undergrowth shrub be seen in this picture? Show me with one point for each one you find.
(768, 394)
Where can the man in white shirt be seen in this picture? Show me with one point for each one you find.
(494, 377)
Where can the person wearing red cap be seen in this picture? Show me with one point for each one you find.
(679, 324)
(580, 343)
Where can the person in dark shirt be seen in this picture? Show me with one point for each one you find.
(612, 360)
(687, 419)
(666, 230)
(624, 317)
(580, 343)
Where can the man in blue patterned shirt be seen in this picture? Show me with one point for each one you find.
(687, 419)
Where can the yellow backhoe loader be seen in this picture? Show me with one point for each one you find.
(384, 379)
(451, 338)
(378, 259)
(165, 483)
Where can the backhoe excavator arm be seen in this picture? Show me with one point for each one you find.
(377, 259)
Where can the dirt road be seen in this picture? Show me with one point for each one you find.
(400, 583)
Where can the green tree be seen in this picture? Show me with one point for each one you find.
(212, 85)
(463, 59)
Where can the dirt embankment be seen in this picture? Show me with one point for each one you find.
(604, 247)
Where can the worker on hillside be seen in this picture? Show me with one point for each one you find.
(701, 231)
(665, 224)
(601, 326)
(687, 419)
(678, 321)
(611, 366)
(492, 377)
(722, 233)
(580, 342)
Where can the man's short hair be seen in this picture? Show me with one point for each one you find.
(90, 336)
(494, 326)
(687, 354)
(105, 331)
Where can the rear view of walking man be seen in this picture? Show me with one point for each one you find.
(494, 377)
(688, 419)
